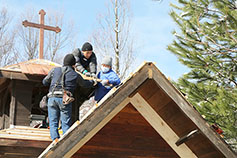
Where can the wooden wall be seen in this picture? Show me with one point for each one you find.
(21, 102)
(128, 134)
(176, 119)
(20, 148)
(4, 102)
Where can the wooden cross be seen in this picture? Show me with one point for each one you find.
(42, 27)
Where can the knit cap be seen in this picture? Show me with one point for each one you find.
(69, 60)
(87, 47)
(107, 61)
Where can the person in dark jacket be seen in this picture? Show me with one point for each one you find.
(109, 79)
(56, 109)
(86, 61)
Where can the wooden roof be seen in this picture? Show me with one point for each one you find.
(29, 70)
(145, 117)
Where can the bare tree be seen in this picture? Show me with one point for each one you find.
(6, 39)
(114, 37)
(28, 36)
(57, 41)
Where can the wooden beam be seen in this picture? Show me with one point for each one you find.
(3, 106)
(13, 104)
(46, 27)
(20, 76)
(2, 80)
(191, 113)
(4, 85)
(160, 126)
(24, 143)
(19, 152)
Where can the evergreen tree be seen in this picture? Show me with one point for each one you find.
(207, 44)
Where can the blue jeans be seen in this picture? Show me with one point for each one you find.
(56, 111)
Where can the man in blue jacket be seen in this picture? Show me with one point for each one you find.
(109, 79)
(56, 109)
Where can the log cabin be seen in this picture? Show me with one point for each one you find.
(21, 90)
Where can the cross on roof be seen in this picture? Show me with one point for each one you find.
(42, 27)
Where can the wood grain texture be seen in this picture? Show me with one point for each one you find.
(92, 122)
(126, 139)
(110, 130)
(188, 111)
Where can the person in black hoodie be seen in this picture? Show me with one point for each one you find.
(86, 61)
(56, 109)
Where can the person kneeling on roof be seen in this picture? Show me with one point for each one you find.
(60, 79)
(109, 79)
(86, 62)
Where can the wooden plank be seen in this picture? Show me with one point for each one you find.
(160, 126)
(1, 112)
(20, 76)
(67, 145)
(23, 95)
(17, 136)
(111, 152)
(202, 147)
(2, 80)
(28, 129)
(189, 111)
(92, 132)
(4, 106)
(24, 143)
(25, 133)
(19, 151)
(158, 100)
(13, 104)
(40, 26)
(125, 115)
(4, 85)
(147, 89)
(126, 139)
(175, 118)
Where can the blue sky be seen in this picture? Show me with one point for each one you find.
(150, 21)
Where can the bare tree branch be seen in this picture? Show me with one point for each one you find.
(114, 36)
(7, 39)
(28, 36)
(56, 42)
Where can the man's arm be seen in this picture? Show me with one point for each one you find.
(85, 83)
(114, 79)
(77, 54)
(47, 80)
(93, 64)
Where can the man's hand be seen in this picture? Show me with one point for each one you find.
(104, 82)
(95, 82)
(93, 75)
(88, 74)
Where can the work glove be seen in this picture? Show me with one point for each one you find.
(104, 82)
(93, 75)
(88, 74)
(94, 82)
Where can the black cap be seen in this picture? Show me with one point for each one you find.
(87, 47)
(69, 60)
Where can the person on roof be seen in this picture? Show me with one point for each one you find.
(109, 79)
(86, 61)
(56, 109)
